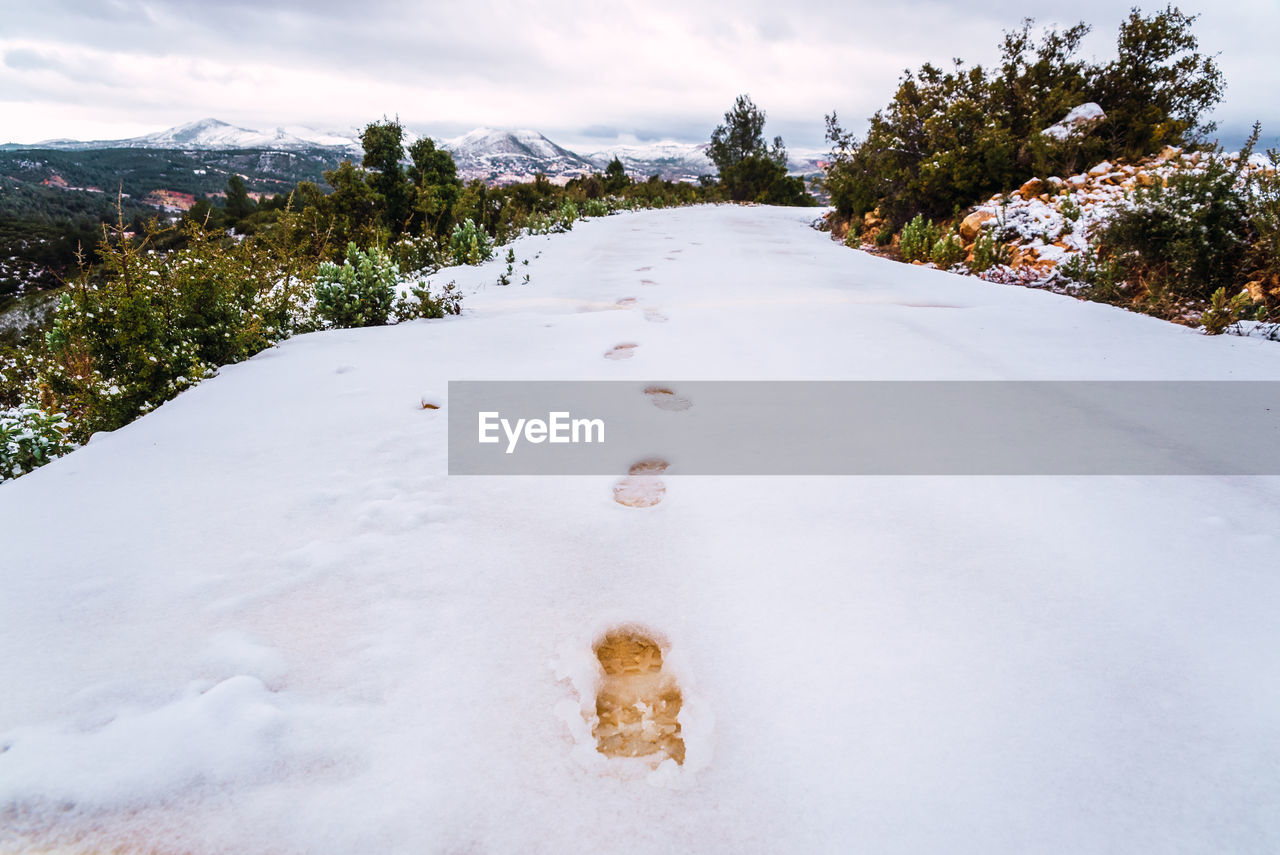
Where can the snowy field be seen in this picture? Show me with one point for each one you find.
(262, 619)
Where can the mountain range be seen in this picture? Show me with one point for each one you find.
(496, 156)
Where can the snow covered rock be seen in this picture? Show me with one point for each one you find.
(1079, 122)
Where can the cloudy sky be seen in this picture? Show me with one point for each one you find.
(581, 72)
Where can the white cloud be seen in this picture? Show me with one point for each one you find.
(82, 68)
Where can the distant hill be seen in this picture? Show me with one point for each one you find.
(210, 135)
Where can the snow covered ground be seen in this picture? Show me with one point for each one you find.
(262, 619)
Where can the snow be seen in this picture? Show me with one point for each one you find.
(263, 619)
(1083, 116)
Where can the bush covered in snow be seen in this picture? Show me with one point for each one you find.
(420, 302)
(1201, 240)
(146, 325)
(29, 438)
(470, 244)
(359, 292)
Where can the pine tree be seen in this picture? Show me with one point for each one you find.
(239, 205)
(383, 149)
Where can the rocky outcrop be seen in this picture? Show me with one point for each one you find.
(1047, 221)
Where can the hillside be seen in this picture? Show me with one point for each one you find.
(264, 619)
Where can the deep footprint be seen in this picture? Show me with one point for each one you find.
(621, 351)
(637, 705)
(642, 488)
(666, 399)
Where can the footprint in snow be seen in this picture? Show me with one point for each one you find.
(666, 399)
(625, 350)
(647, 282)
(642, 488)
(642, 269)
(637, 704)
(653, 316)
(626, 302)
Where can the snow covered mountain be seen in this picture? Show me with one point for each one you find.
(506, 156)
(264, 618)
(685, 161)
(496, 156)
(216, 135)
(675, 161)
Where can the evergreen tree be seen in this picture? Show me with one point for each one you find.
(1159, 85)
(433, 177)
(750, 170)
(383, 144)
(615, 176)
(239, 205)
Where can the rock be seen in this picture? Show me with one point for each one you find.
(1032, 188)
(1146, 179)
(1257, 293)
(1022, 256)
(1077, 123)
(1101, 169)
(971, 226)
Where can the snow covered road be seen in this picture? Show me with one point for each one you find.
(262, 619)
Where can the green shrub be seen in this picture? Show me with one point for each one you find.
(538, 223)
(947, 251)
(146, 325)
(470, 244)
(421, 303)
(595, 208)
(853, 237)
(988, 252)
(884, 237)
(1263, 200)
(415, 254)
(1102, 277)
(567, 214)
(1223, 313)
(30, 438)
(360, 292)
(918, 238)
(1182, 240)
(1070, 210)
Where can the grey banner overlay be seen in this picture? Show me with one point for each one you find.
(868, 427)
